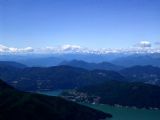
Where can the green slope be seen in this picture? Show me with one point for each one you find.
(125, 93)
(15, 105)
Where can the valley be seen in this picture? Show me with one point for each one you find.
(125, 92)
(118, 112)
(79, 59)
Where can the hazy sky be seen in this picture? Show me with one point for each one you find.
(89, 23)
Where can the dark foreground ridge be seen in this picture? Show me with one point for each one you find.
(16, 105)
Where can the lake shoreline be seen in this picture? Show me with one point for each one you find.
(58, 93)
(118, 112)
(123, 113)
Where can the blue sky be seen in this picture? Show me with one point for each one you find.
(89, 23)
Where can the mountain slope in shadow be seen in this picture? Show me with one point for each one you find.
(125, 93)
(28, 106)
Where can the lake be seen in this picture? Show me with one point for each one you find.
(51, 93)
(119, 113)
(122, 113)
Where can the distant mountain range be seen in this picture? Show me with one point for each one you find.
(11, 64)
(125, 93)
(116, 59)
(138, 59)
(51, 78)
(68, 77)
(92, 66)
(147, 74)
(125, 87)
(41, 61)
(33, 60)
(28, 106)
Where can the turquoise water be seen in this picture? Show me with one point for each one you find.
(122, 113)
(51, 93)
(119, 113)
